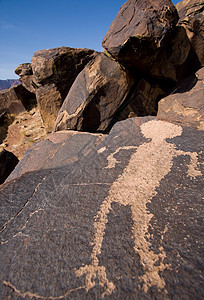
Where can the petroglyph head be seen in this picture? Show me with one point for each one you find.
(160, 130)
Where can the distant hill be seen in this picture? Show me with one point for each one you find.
(5, 84)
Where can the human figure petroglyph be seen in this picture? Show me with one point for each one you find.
(136, 186)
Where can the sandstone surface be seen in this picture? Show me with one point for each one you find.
(19, 133)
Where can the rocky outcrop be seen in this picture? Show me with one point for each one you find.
(8, 162)
(192, 20)
(19, 133)
(50, 75)
(50, 101)
(24, 69)
(15, 100)
(26, 76)
(183, 54)
(6, 84)
(156, 69)
(96, 94)
(139, 31)
(117, 216)
(185, 105)
(121, 222)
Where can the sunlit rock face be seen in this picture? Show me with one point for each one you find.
(139, 31)
(50, 75)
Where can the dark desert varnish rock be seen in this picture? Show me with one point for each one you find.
(15, 99)
(122, 222)
(96, 94)
(192, 20)
(139, 31)
(56, 150)
(50, 75)
(185, 105)
(183, 54)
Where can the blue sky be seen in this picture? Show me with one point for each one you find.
(30, 25)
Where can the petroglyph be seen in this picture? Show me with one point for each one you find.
(112, 161)
(136, 186)
(35, 296)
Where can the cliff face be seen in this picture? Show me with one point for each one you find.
(102, 209)
(6, 84)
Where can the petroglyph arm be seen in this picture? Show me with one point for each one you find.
(112, 161)
(193, 170)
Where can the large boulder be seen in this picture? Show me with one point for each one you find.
(50, 75)
(185, 105)
(8, 162)
(183, 54)
(96, 94)
(138, 32)
(123, 222)
(26, 77)
(60, 66)
(15, 100)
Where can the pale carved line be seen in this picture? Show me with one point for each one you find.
(33, 295)
(138, 183)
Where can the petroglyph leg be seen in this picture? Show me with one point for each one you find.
(94, 271)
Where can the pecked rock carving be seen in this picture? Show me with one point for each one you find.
(138, 185)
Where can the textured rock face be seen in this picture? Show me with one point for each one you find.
(56, 150)
(192, 19)
(141, 101)
(54, 71)
(51, 74)
(138, 32)
(95, 96)
(59, 66)
(19, 133)
(117, 216)
(122, 222)
(8, 162)
(183, 54)
(10, 102)
(15, 99)
(26, 77)
(24, 69)
(49, 100)
(186, 104)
